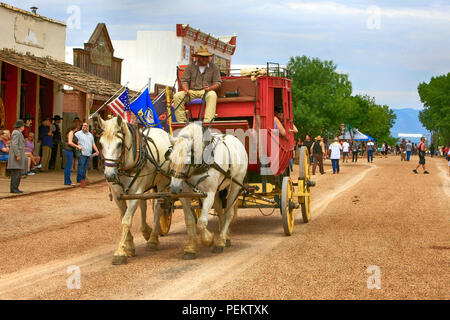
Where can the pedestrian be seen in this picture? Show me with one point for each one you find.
(16, 159)
(370, 150)
(28, 122)
(69, 146)
(403, 150)
(86, 141)
(97, 132)
(56, 147)
(421, 149)
(383, 148)
(335, 154)
(308, 143)
(318, 151)
(46, 136)
(408, 150)
(345, 151)
(32, 158)
(355, 150)
(4, 147)
(432, 150)
(448, 159)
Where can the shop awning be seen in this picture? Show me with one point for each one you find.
(61, 72)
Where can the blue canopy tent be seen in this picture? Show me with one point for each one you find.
(356, 135)
(366, 138)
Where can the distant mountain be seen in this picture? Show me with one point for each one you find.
(407, 122)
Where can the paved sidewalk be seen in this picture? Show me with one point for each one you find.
(44, 182)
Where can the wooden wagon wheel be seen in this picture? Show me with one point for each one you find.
(287, 206)
(165, 219)
(303, 179)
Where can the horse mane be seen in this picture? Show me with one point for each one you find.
(189, 134)
(178, 155)
(110, 129)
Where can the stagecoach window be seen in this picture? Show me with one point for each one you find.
(278, 97)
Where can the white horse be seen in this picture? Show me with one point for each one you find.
(131, 159)
(221, 164)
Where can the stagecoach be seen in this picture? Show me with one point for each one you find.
(245, 107)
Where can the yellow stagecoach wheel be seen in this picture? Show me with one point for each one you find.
(305, 201)
(303, 163)
(165, 220)
(287, 206)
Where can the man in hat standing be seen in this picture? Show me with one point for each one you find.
(56, 148)
(17, 156)
(199, 78)
(318, 152)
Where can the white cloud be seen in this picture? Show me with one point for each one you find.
(394, 99)
(327, 7)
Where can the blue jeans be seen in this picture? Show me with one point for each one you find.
(370, 155)
(68, 166)
(83, 165)
(335, 164)
(408, 155)
(4, 157)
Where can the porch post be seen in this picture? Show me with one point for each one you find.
(19, 90)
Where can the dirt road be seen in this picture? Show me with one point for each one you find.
(373, 223)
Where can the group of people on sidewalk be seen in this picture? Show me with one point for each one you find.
(18, 150)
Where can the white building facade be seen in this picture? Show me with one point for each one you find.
(155, 55)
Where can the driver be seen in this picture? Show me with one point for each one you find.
(199, 77)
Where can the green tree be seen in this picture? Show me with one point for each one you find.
(322, 101)
(435, 96)
(372, 119)
(320, 95)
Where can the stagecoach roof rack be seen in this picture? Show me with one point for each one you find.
(271, 69)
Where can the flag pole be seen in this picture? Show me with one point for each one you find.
(140, 91)
(107, 101)
(169, 112)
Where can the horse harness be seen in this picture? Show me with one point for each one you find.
(193, 169)
(141, 154)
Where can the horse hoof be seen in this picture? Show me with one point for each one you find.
(189, 256)
(130, 252)
(118, 260)
(228, 243)
(151, 247)
(217, 249)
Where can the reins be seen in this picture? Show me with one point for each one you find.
(141, 154)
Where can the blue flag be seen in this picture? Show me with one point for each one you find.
(143, 108)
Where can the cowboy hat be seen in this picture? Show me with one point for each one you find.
(28, 117)
(19, 123)
(203, 52)
(57, 117)
(318, 138)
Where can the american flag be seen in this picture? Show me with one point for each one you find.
(121, 105)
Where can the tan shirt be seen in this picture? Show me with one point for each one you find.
(198, 81)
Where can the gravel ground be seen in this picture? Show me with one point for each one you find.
(379, 214)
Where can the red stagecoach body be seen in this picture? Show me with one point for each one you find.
(253, 108)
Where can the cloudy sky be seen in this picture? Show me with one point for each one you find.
(386, 47)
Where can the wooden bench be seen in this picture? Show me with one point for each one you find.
(3, 165)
